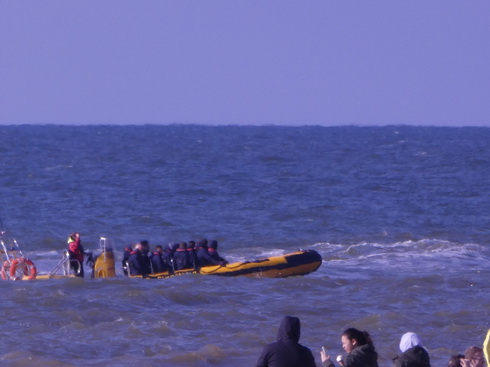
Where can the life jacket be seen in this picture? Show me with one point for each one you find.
(76, 250)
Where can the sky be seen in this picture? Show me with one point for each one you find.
(253, 62)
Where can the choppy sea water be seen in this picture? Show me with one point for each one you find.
(399, 214)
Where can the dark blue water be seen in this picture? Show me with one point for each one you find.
(400, 215)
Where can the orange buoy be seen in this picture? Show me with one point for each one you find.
(28, 268)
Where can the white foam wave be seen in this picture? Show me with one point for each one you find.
(424, 252)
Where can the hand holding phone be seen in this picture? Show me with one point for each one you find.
(323, 355)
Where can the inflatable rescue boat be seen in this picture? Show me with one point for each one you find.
(15, 266)
(296, 263)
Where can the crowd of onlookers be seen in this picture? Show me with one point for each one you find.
(138, 259)
(359, 349)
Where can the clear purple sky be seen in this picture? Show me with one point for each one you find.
(245, 62)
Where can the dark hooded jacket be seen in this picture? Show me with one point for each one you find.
(213, 252)
(413, 357)
(181, 258)
(168, 255)
(287, 352)
(139, 264)
(191, 251)
(202, 255)
(126, 255)
(158, 264)
(362, 356)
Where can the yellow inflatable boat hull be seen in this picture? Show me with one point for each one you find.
(292, 264)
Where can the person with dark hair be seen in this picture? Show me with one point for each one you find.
(359, 348)
(126, 254)
(76, 254)
(455, 361)
(202, 255)
(286, 351)
(158, 264)
(191, 251)
(181, 257)
(473, 357)
(213, 252)
(413, 354)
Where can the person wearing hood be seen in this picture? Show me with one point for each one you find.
(360, 350)
(286, 351)
(413, 354)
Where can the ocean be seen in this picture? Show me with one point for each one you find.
(400, 215)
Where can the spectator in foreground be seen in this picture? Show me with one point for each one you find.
(455, 361)
(473, 357)
(286, 351)
(413, 354)
(360, 350)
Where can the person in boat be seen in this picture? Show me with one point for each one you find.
(286, 351)
(202, 255)
(191, 250)
(413, 354)
(168, 255)
(126, 254)
(181, 257)
(213, 252)
(359, 347)
(137, 264)
(158, 263)
(76, 254)
(145, 251)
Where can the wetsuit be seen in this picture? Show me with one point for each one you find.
(286, 351)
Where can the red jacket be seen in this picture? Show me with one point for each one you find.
(76, 250)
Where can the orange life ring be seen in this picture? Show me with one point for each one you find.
(4, 270)
(28, 268)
